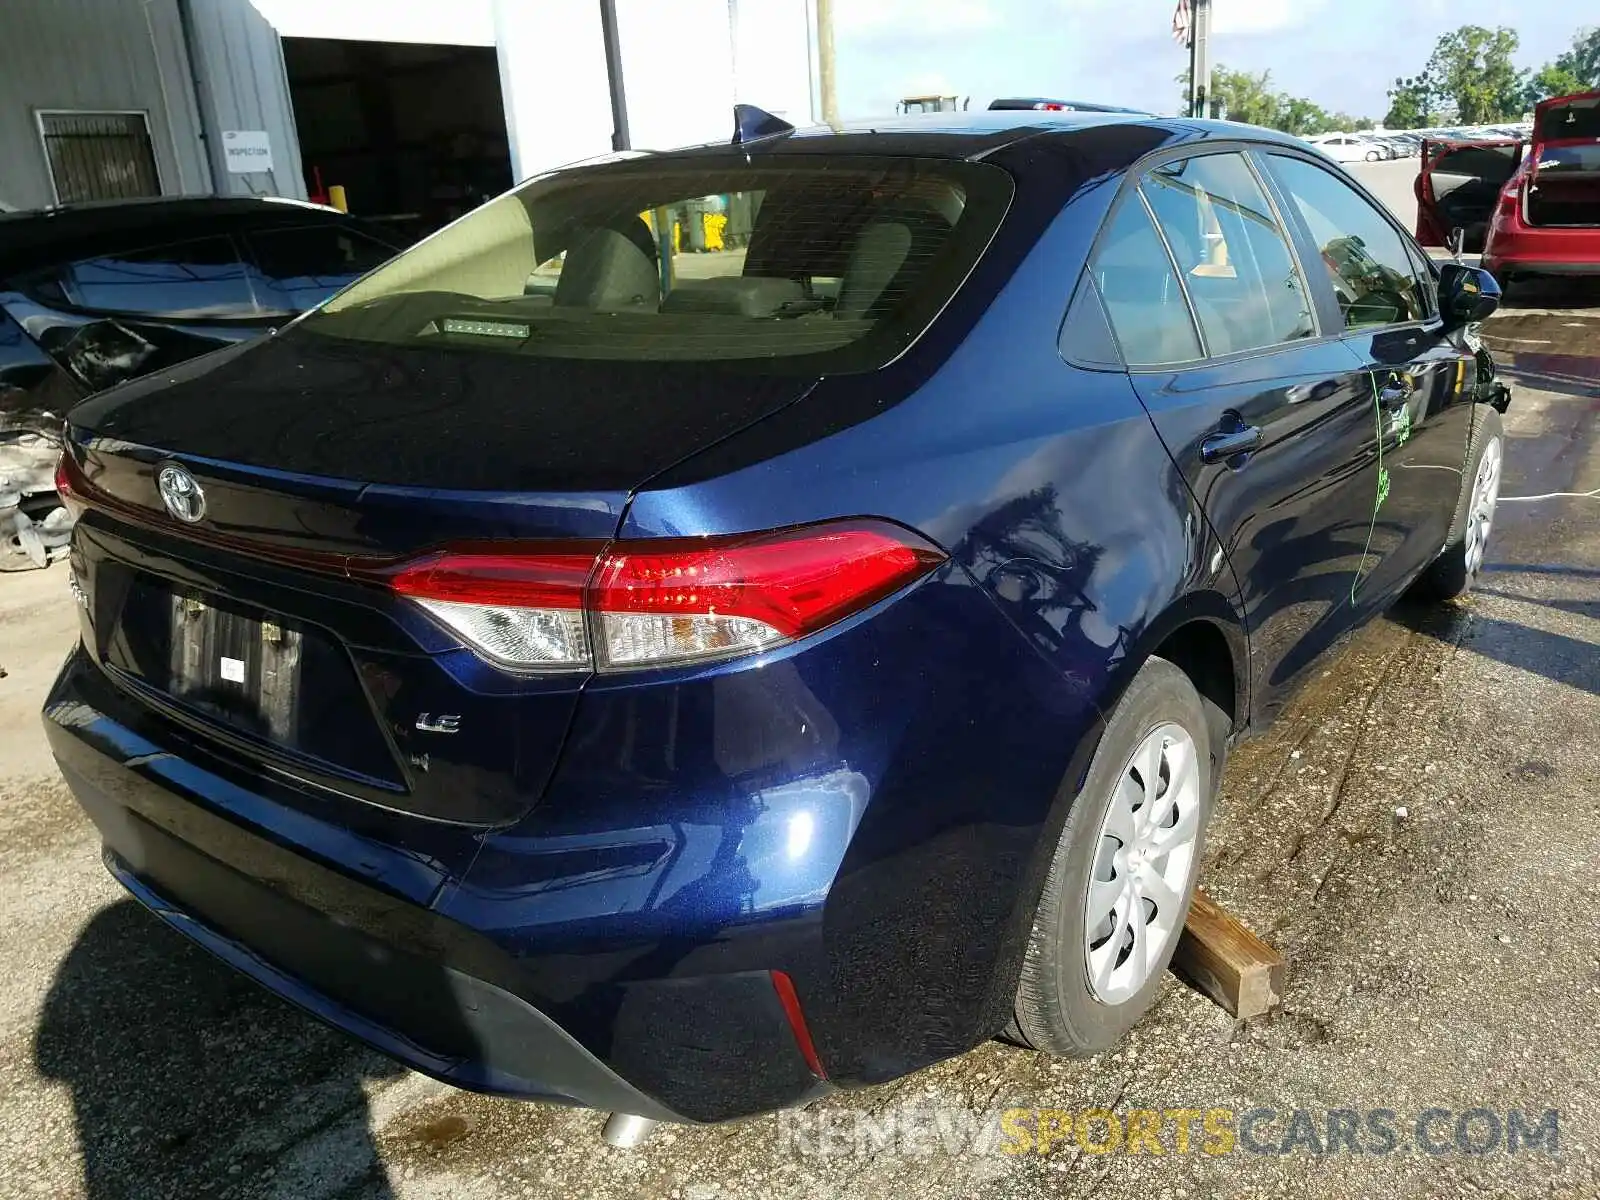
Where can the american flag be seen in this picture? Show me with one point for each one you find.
(1180, 23)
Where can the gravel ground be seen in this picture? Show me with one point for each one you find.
(1417, 833)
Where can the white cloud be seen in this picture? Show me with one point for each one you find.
(921, 18)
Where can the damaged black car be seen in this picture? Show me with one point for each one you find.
(92, 295)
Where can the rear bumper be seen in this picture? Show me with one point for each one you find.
(1539, 266)
(433, 993)
(1515, 246)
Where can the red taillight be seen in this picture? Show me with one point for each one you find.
(532, 580)
(70, 484)
(687, 600)
(651, 603)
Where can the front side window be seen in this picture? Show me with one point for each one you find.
(846, 259)
(202, 278)
(1364, 255)
(1235, 257)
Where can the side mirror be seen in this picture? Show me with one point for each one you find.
(1467, 295)
(1456, 242)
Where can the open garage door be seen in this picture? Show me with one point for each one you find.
(414, 132)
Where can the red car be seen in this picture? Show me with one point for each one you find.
(1533, 208)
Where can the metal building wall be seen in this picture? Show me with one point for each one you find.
(242, 84)
(98, 55)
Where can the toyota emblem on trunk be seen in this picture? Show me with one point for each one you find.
(181, 494)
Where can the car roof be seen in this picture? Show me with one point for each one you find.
(39, 237)
(980, 133)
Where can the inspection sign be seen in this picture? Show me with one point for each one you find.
(246, 151)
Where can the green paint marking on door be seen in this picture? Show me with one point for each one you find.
(1364, 568)
(1402, 425)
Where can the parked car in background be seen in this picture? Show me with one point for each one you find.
(1347, 147)
(1546, 217)
(1047, 104)
(93, 295)
(670, 691)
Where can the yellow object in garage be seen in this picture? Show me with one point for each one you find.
(649, 218)
(716, 223)
(336, 197)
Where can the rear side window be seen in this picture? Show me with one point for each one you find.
(841, 262)
(1140, 291)
(1235, 257)
(299, 268)
(1365, 257)
(202, 278)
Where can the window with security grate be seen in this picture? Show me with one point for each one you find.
(99, 155)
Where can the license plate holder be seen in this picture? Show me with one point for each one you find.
(237, 667)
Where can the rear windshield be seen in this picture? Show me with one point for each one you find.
(1569, 160)
(825, 263)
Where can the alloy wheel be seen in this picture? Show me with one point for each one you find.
(1485, 495)
(1144, 856)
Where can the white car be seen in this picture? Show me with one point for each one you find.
(1346, 147)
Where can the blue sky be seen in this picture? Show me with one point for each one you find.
(1343, 54)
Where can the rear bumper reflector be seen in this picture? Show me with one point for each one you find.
(784, 986)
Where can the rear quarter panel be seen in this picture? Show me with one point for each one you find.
(962, 716)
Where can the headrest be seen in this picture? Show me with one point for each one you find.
(607, 270)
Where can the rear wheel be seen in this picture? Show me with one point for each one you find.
(1457, 568)
(1119, 886)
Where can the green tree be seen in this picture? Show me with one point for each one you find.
(1301, 117)
(1412, 104)
(1251, 98)
(1247, 97)
(1582, 62)
(1550, 80)
(1472, 72)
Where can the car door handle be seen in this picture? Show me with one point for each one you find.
(1225, 443)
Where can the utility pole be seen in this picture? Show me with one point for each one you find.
(825, 83)
(620, 138)
(1200, 59)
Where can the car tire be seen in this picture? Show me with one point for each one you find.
(1461, 561)
(1059, 1009)
(1373, 156)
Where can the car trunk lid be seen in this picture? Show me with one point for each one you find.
(1562, 188)
(265, 625)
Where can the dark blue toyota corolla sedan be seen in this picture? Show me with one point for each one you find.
(718, 626)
